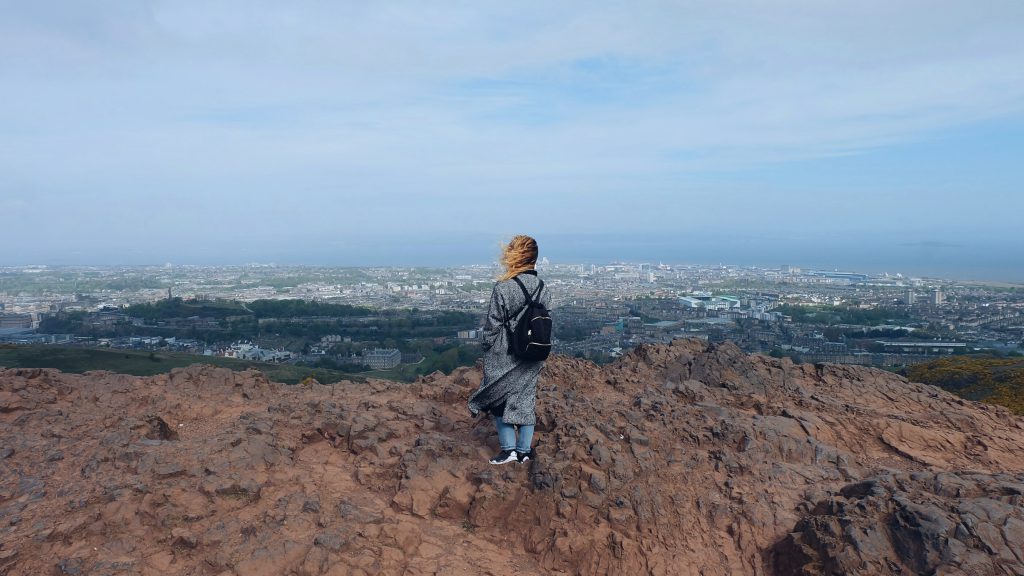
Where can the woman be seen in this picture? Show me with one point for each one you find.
(509, 386)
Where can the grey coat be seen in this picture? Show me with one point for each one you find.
(506, 378)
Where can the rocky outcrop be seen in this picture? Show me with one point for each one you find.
(677, 459)
(917, 523)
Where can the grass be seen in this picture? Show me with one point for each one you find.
(381, 374)
(144, 363)
(988, 379)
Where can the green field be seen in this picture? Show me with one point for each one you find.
(143, 363)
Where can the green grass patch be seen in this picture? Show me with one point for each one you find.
(144, 363)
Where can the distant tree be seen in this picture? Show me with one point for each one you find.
(833, 334)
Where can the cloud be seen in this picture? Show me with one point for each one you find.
(736, 82)
(393, 110)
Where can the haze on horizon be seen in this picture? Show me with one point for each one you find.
(886, 136)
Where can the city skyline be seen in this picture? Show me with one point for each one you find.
(872, 269)
(877, 136)
(601, 310)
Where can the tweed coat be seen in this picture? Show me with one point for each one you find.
(507, 378)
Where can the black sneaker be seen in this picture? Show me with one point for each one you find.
(504, 457)
(524, 456)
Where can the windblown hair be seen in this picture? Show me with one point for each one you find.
(518, 256)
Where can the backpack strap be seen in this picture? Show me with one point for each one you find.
(523, 288)
(529, 299)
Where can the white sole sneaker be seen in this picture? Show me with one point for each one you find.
(504, 457)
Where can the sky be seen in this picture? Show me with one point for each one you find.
(877, 135)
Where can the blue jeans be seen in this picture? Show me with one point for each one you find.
(509, 440)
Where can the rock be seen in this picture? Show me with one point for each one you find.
(158, 429)
(244, 489)
(905, 519)
(683, 455)
(167, 469)
(71, 566)
(455, 501)
(331, 541)
(10, 402)
(183, 537)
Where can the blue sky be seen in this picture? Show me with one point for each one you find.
(882, 135)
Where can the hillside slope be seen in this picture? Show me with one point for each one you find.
(993, 380)
(677, 459)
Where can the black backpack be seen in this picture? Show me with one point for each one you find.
(531, 338)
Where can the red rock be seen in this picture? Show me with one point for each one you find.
(9, 402)
(677, 459)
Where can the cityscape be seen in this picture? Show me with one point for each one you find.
(382, 318)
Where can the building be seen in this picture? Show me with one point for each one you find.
(937, 297)
(709, 302)
(411, 357)
(729, 302)
(249, 351)
(836, 277)
(382, 358)
(923, 347)
(15, 321)
(631, 324)
(909, 297)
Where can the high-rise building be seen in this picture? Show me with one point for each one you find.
(910, 297)
(937, 297)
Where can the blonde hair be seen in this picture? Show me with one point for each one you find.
(518, 256)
